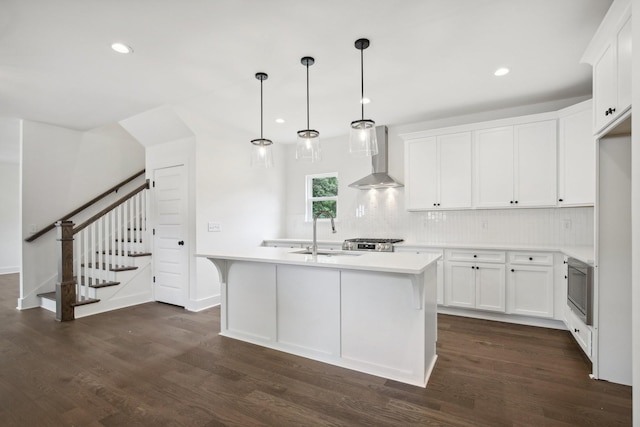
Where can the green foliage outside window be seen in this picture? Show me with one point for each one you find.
(325, 205)
(322, 194)
(324, 187)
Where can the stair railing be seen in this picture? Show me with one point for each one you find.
(91, 202)
(103, 243)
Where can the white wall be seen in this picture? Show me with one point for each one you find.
(635, 207)
(61, 170)
(381, 213)
(9, 195)
(246, 201)
(9, 218)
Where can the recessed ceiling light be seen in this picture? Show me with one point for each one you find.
(121, 48)
(365, 101)
(501, 72)
(280, 121)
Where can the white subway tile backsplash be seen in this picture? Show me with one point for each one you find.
(381, 213)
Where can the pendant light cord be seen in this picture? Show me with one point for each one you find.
(362, 81)
(307, 95)
(261, 110)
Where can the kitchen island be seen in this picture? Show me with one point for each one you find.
(370, 312)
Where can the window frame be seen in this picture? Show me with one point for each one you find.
(309, 199)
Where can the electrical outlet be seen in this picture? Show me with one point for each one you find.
(484, 224)
(566, 224)
(214, 227)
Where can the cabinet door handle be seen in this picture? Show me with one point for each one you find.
(181, 243)
(511, 202)
(475, 256)
(561, 200)
(565, 277)
(576, 330)
(512, 270)
(516, 202)
(530, 258)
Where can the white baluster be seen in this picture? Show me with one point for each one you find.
(77, 256)
(87, 259)
(100, 247)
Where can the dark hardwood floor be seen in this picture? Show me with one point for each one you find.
(159, 365)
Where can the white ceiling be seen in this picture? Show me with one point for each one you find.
(428, 59)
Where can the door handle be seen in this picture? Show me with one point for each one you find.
(181, 243)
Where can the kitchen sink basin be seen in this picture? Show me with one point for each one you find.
(326, 253)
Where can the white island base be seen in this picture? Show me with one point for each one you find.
(379, 322)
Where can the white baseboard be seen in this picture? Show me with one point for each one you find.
(10, 270)
(507, 318)
(203, 304)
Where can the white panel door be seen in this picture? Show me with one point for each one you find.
(460, 284)
(623, 62)
(531, 291)
(604, 88)
(170, 253)
(535, 158)
(576, 161)
(455, 170)
(308, 308)
(490, 287)
(421, 181)
(494, 167)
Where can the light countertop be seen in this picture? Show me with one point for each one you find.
(392, 262)
(583, 253)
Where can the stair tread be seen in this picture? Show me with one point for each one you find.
(131, 254)
(48, 295)
(80, 301)
(85, 301)
(111, 267)
(98, 283)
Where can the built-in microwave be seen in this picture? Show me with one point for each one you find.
(580, 289)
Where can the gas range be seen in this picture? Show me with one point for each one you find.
(373, 244)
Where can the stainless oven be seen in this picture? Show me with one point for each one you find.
(580, 289)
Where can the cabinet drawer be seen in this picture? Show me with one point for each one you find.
(470, 255)
(531, 258)
(581, 332)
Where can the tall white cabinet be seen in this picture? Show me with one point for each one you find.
(609, 52)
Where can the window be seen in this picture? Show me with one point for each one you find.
(322, 194)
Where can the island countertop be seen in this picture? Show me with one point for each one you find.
(392, 262)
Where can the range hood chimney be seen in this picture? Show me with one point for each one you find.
(379, 178)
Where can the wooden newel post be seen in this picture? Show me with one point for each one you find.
(66, 286)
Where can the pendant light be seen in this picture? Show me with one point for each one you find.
(308, 145)
(261, 154)
(362, 135)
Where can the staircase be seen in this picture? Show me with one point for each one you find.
(104, 262)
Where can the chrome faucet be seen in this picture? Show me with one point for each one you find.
(314, 249)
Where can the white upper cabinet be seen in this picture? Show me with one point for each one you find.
(438, 172)
(494, 167)
(610, 55)
(535, 164)
(576, 157)
(516, 165)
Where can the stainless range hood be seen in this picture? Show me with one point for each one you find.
(379, 178)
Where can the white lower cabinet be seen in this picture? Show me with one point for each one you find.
(530, 286)
(581, 332)
(475, 285)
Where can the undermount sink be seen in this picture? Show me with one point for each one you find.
(326, 253)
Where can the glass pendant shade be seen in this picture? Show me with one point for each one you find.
(261, 148)
(362, 138)
(308, 145)
(262, 153)
(362, 133)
